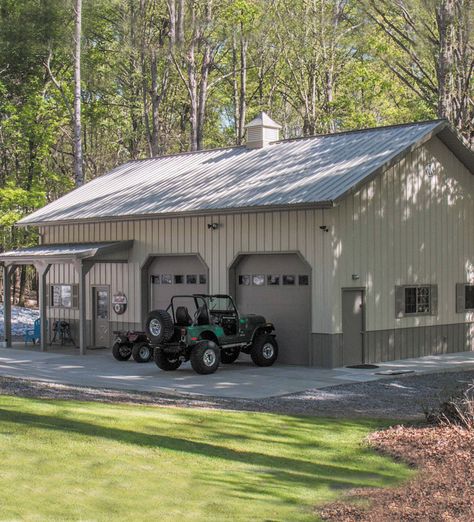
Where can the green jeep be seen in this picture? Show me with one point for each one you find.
(215, 333)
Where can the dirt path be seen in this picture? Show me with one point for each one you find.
(403, 397)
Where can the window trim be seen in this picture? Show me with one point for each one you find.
(400, 300)
(74, 296)
(461, 298)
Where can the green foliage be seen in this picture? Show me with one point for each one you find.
(315, 65)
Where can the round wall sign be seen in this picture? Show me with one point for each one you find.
(119, 303)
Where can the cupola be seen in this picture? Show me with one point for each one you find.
(261, 131)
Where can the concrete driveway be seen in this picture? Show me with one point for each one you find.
(240, 380)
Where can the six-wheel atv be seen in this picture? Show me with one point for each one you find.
(216, 332)
(133, 344)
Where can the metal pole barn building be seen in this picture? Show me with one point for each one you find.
(359, 245)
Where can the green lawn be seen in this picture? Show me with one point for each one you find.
(71, 460)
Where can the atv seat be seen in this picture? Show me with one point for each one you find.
(182, 316)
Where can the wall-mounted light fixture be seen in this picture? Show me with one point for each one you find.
(355, 277)
(213, 226)
(324, 228)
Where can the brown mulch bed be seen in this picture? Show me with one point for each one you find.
(443, 490)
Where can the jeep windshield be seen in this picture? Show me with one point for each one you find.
(220, 304)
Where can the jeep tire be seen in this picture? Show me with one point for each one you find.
(205, 357)
(142, 352)
(230, 355)
(159, 326)
(264, 350)
(168, 362)
(121, 351)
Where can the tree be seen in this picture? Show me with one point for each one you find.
(429, 48)
(78, 172)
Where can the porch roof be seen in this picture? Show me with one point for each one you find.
(66, 252)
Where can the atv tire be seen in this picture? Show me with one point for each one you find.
(264, 350)
(142, 352)
(166, 362)
(121, 351)
(159, 326)
(205, 357)
(230, 355)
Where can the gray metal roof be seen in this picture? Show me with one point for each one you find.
(307, 171)
(64, 251)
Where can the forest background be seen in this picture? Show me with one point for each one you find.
(160, 77)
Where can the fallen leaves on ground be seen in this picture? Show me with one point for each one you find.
(443, 490)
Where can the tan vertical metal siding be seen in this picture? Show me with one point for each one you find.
(237, 233)
(403, 227)
(408, 227)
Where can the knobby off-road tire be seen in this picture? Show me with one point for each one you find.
(264, 350)
(121, 351)
(159, 326)
(230, 355)
(205, 357)
(166, 362)
(142, 352)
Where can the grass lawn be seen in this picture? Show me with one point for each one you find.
(72, 460)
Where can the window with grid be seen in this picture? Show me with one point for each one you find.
(64, 296)
(417, 300)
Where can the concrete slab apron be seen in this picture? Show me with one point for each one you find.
(241, 380)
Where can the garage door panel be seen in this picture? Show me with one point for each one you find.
(278, 287)
(176, 275)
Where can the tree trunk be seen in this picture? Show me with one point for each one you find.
(78, 160)
(235, 89)
(444, 70)
(155, 106)
(243, 86)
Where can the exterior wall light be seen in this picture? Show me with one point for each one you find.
(324, 228)
(213, 226)
(355, 277)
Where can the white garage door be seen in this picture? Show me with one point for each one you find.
(175, 275)
(278, 286)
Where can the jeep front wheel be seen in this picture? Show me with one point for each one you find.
(205, 357)
(264, 350)
(142, 352)
(121, 351)
(166, 361)
(230, 355)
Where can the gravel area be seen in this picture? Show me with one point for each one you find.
(402, 397)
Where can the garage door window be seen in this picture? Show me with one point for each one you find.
(289, 279)
(166, 279)
(202, 279)
(303, 280)
(258, 280)
(191, 279)
(273, 280)
(244, 280)
(178, 279)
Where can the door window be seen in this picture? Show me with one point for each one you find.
(102, 304)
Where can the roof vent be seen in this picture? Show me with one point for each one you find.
(261, 131)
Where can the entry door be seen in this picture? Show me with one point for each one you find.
(101, 316)
(353, 326)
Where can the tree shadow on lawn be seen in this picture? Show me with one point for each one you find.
(277, 472)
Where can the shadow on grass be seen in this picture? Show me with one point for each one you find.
(278, 473)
